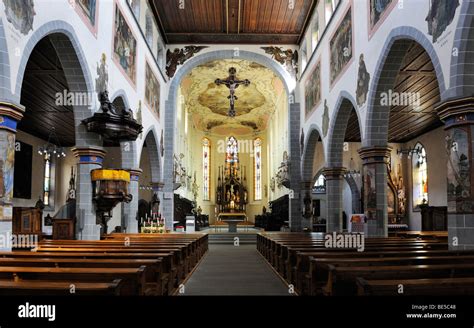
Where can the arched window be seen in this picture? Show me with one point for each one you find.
(320, 185)
(149, 29)
(304, 55)
(232, 151)
(315, 31)
(47, 180)
(257, 159)
(420, 176)
(206, 171)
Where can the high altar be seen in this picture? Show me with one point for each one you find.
(231, 191)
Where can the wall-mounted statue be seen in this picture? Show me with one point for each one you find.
(440, 15)
(139, 116)
(102, 79)
(363, 79)
(179, 57)
(21, 14)
(288, 58)
(302, 142)
(325, 118)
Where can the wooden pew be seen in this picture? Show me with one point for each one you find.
(342, 280)
(133, 279)
(153, 267)
(168, 281)
(56, 288)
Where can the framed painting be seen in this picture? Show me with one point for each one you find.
(124, 47)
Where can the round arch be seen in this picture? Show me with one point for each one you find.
(73, 60)
(462, 72)
(376, 127)
(312, 136)
(5, 82)
(151, 140)
(170, 108)
(344, 106)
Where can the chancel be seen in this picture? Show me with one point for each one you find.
(236, 147)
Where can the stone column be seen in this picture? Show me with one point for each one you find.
(89, 158)
(375, 161)
(10, 115)
(158, 190)
(295, 213)
(334, 188)
(130, 210)
(458, 117)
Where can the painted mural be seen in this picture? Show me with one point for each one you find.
(125, 46)
(7, 164)
(20, 13)
(440, 15)
(313, 89)
(341, 47)
(363, 80)
(88, 8)
(459, 167)
(376, 10)
(152, 91)
(370, 191)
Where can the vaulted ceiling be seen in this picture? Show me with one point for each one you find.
(208, 103)
(232, 21)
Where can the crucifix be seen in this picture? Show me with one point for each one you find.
(232, 83)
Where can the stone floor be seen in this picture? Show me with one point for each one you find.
(231, 270)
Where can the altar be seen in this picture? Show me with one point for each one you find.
(232, 219)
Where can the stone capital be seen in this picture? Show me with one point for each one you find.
(135, 174)
(157, 186)
(376, 154)
(459, 111)
(10, 115)
(89, 155)
(333, 173)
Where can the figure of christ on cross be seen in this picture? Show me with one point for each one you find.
(232, 83)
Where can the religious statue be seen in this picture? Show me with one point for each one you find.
(325, 119)
(362, 82)
(288, 58)
(102, 75)
(179, 57)
(232, 83)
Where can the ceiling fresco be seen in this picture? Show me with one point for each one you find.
(208, 103)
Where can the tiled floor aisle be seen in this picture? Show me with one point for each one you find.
(230, 270)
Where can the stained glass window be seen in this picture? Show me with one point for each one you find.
(320, 185)
(257, 145)
(420, 176)
(232, 157)
(47, 180)
(206, 162)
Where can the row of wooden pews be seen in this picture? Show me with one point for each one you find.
(388, 266)
(121, 264)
